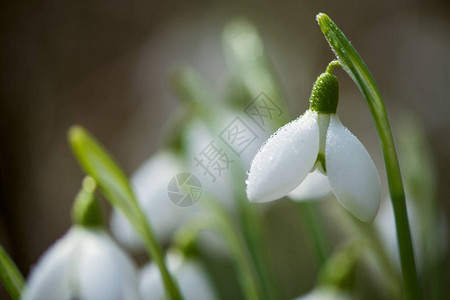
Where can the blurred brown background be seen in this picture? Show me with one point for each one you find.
(104, 64)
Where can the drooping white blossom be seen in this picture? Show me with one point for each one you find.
(323, 293)
(191, 277)
(316, 141)
(150, 184)
(84, 264)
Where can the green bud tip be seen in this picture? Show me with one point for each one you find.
(89, 184)
(86, 210)
(75, 132)
(325, 94)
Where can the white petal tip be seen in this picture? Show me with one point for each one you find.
(284, 160)
(352, 174)
(260, 198)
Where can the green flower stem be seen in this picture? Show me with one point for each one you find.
(185, 237)
(243, 262)
(10, 275)
(97, 163)
(192, 90)
(418, 168)
(389, 276)
(353, 64)
(318, 235)
(255, 241)
(339, 272)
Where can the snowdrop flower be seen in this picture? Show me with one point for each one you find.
(317, 140)
(322, 293)
(192, 279)
(150, 185)
(84, 264)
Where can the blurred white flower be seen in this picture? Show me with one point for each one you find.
(198, 136)
(150, 184)
(84, 264)
(314, 187)
(190, 275)
(424, 241)
(323, 293)
(316, 141)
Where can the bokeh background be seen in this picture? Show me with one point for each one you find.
(105, 65)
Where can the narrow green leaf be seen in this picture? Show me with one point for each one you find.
(251, 66)
(353, 64)
(10, 275)
(96, 162)
(116, 187)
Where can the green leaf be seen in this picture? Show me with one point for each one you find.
(96, 162)
(10, 275)
(251, 66)
(116, 187)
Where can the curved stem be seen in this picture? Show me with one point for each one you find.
(390, 275)
(155, 252)
(190, 88)
(254, 236)
(358, 71)
(332, 65)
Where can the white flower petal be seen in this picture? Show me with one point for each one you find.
(190, 275)
(284, 160)
(326, 293)
(351, 172)
(314, 187)
(150, 185)
(49, 279)
(198, 136)
(151, 285)
(104, 270)
(83, 264)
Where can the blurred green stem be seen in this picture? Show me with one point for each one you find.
(191, 88)
(255, 241)
(353, 64)
(10, 275)
(243, 262)
(390, 275)
(114, 184)
(309, 213)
